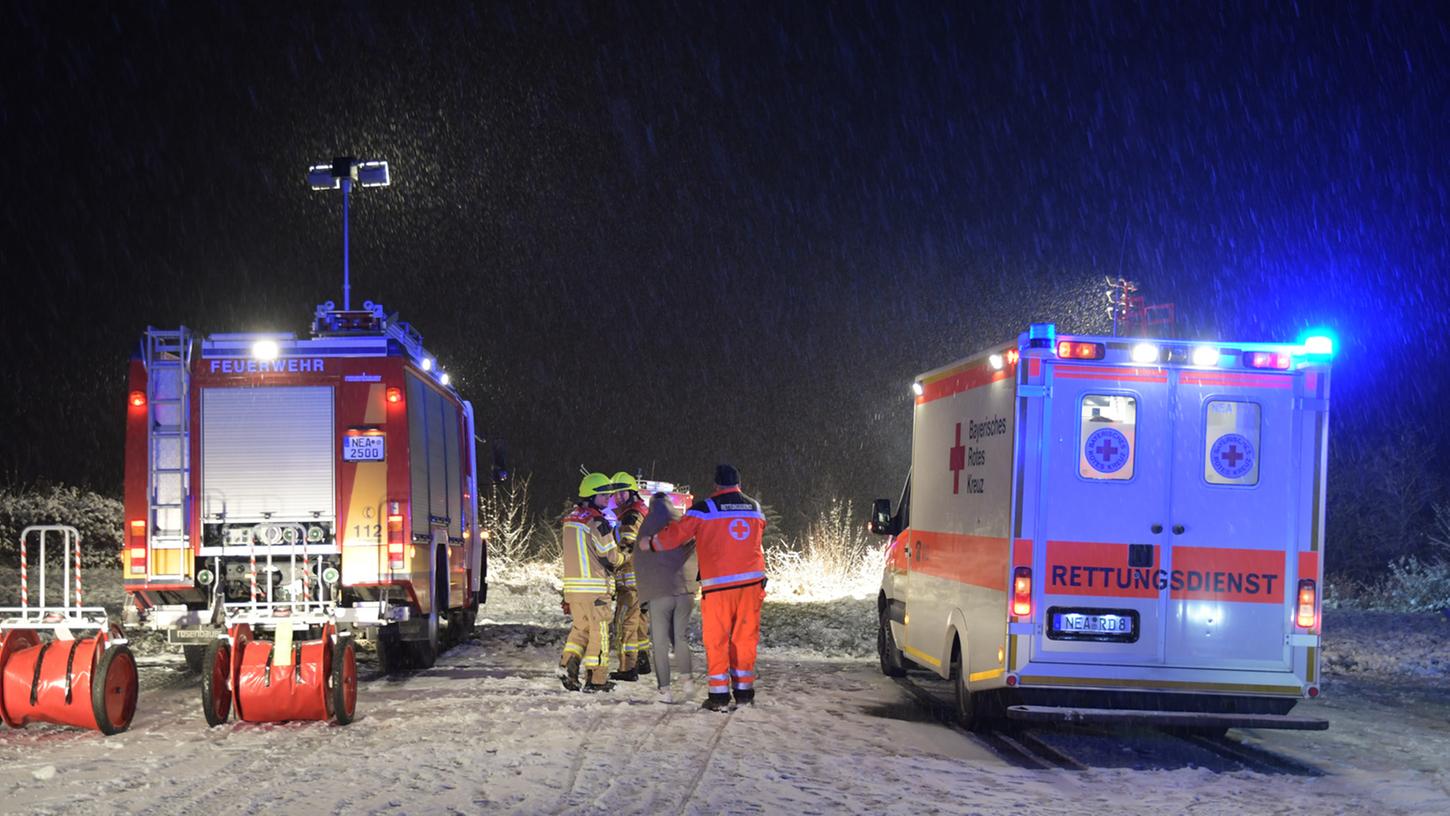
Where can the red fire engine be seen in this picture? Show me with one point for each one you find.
(326, 481)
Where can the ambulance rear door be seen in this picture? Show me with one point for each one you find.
(1233, 520)
(1099, 597)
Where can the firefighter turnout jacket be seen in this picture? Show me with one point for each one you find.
(590, 554)
(728, 529)
(629, 519)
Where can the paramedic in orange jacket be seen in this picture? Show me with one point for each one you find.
(727, 528)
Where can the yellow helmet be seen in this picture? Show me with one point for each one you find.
(594, 484)
(624, 481)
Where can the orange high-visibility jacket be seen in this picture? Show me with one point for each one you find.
(728, 529)
(589, 552)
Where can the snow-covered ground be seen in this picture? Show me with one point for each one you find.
(489, 728)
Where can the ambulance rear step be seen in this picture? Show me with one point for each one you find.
(1163, 719)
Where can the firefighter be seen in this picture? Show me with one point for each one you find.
(631, 625)
(590, 556)
(728, 529)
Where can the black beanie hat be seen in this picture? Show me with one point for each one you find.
(727, 476)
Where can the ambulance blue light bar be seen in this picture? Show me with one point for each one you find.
(1041, 335)
(1319, 345)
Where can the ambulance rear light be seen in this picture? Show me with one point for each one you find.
(1145, 353)
(137, 399)
(917, 389)
(996, 362)
(1069, 350)
(1307, 618)
(136, 545)
(1012, 356)
(395, 541)
(1267, 359)
(395, 395)
(1022, 592)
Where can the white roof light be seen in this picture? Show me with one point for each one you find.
(427, 363)
(1145, 353)
(443, 378)
(916, 388)
(996, 361)
(265, 350)
(1205, 356)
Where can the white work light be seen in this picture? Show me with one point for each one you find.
(1205, 356)
(916, 388)
(443, 378)
(265, 350)
(996, 362)
(341, 174)
(1145, 353)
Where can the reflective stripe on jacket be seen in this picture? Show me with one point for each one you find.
(728, 529)
(630, 518)
(589, 552)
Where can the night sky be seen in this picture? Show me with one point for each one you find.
(670, 235)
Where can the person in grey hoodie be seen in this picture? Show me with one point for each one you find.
(667, 582)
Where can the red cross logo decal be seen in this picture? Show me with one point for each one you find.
(1107, 451)
(958, 461)
(1232, 456)
(739, 529)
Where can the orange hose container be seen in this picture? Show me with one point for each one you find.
(55, 681)
(311, 687)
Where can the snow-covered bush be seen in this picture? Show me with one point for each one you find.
(836, 558)
(509, 525)
(1412, 585)
(97, 517)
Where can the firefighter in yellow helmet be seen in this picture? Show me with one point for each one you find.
(590, 556)
(631, 625)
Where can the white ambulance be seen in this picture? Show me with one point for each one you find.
(1099, 528)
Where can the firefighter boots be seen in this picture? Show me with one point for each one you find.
(717, 702)
(625, 676)
(595, 688)
(642, 663)
(569, 674)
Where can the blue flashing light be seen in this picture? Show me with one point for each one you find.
(1318, 343)
(1041, 335)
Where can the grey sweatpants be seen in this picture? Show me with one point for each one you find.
(669, 631)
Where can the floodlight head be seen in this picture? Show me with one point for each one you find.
(319, 177)
(373, 174)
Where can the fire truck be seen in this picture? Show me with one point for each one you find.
(271, 477)
(1100, 528)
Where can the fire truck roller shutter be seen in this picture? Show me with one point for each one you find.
(268, 450)
(454, 469)
(418, 453)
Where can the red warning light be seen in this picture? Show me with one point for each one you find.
(138, 399)
(395, 395)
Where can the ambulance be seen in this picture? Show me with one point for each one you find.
(332, 474)
(1100, 528)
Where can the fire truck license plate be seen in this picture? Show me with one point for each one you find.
(363, 448)
(1093, 623)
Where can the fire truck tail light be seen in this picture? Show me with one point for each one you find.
(1068, 350)
(1022, 592)
(1267, 359)
(137, 545)
(138, 399)
(395, 395)
(395, 541)
(1306, 619)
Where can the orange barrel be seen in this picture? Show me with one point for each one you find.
(54, 682)
(268, 692)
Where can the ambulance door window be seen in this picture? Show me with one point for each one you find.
(1231, 443)
(1107, 435)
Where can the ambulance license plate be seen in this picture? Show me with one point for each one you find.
(1093, 624)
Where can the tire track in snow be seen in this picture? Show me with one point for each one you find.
(704, 766)
(578, 763)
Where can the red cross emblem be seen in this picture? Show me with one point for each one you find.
(958, 461)
(739, 529)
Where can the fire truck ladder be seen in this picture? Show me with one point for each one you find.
(168, 421)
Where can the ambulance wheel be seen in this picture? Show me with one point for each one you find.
(216, 677)
(194, 658)
(964, 708)
(342, 682)
(113, 690)
(893, 663)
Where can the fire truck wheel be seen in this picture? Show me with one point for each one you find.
(113, 690)
(391, 656)
(425, 651)
(892, 662)
(194, 658)
(965, 708)
(342, 684)
(216, 677)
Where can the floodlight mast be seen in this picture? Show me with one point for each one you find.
(342, 173)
